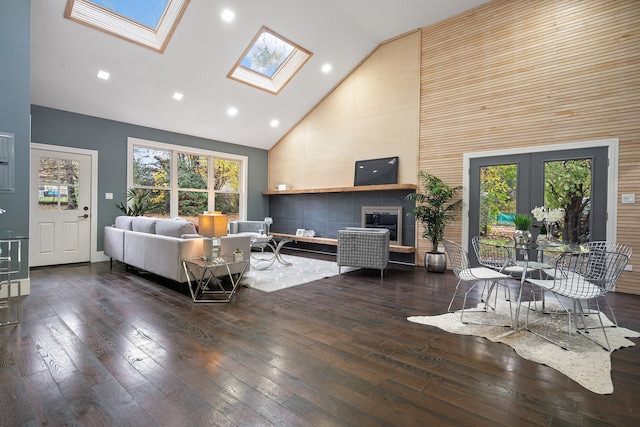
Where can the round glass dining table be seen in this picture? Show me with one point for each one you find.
(531, 257)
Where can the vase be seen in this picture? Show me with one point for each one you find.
(435, 262)
(522, 237)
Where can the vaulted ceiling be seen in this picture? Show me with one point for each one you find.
(66, 57)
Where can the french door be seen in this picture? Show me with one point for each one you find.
(574, 180)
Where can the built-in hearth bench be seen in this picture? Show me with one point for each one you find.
(334, 242)
(402, 254)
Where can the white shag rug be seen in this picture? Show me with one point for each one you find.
(279, 276)
(586, 363)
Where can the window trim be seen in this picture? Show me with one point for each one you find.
(289, 68)
(173, 185)
(101, 19)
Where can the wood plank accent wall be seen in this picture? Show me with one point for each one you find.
(519, 73)
(373, 113)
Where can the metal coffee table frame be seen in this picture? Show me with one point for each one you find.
(205, 286)
(269, 242)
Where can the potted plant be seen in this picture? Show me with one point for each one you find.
(238, 255)
(522, 235)
(435, 208)
(141, 203)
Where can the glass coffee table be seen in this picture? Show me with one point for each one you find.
(269, 258)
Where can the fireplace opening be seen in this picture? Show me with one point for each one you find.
(389, 217)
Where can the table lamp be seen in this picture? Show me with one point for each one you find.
(212, 225)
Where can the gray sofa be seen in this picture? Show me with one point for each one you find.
(363, 247)
(159, 245)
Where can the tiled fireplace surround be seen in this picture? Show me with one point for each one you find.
(326, 213)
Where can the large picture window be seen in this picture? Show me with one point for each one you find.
(185, 181)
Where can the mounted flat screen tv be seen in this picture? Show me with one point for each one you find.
(376, 171)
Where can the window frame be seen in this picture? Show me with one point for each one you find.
(174, 149)
(105, 20)
(289, 68)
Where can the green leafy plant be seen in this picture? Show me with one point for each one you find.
(141, 203)
(435, 207)
(522, 221)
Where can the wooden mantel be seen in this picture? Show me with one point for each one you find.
(385, 187)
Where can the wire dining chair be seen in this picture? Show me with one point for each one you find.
(581, 277)
(472, 276)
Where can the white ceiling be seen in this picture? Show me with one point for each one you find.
(66, 56)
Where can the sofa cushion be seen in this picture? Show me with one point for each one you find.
(174, 227)
(144, 224)
(124, 222)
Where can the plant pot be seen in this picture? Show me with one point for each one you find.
(522, 237)
(435, 262)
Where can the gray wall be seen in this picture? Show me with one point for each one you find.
(109, 138)
(15, 95)
(326, 213)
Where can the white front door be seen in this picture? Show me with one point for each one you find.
(60, 226)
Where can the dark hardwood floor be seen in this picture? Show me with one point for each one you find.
(111, 347)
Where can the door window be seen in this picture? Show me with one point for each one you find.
(58, 185)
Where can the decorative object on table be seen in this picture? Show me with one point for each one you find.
(139, 202)
(548, 217)
(522, 235)
(268, 221)
(238, 255)
(542, 235)
(435, 208)
(212, 225)
(586, 363)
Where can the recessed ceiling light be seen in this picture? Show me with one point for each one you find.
(227, 15)
(326, 68)
(274, 123)
(103, 75)
(232, 111)
(177, 96)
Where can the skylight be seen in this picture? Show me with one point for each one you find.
(269, 62)
(145, 12)
(149, 23)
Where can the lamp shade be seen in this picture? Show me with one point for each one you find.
(212, 224)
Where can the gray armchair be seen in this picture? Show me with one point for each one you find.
(252, 228)
(363, 247)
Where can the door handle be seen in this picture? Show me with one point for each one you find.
(83, 216)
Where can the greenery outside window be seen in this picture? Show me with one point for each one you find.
(185, 181)
(269, 62)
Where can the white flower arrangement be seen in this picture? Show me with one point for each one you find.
(542, 214)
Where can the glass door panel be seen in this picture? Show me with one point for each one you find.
(498, 199)
(576, 181)
(567, 186)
